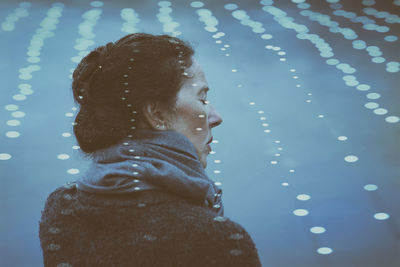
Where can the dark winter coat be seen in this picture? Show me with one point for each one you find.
(150, 228)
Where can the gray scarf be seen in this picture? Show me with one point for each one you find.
(152, 160)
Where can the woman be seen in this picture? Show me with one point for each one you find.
(145, 200)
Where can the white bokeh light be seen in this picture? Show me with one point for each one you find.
(370, 187)
(73, 171)
(300, 212)
(317, 230)
(303, 197)
(63, 156)
(324, 250)
(5, 156)
(351, 158)
(381, 216)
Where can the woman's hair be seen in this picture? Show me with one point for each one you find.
(137, 69)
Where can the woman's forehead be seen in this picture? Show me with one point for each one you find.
(195, 72)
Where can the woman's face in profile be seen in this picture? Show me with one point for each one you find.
(195, 116)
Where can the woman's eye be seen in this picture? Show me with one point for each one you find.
(205, 102)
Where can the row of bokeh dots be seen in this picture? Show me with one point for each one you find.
(373, 2)
(326, 51)
(367, 2)
(281, 17)
(368, 24)
(85, 29)
(350, 34)
(131, 18)
(257, 27)
(47, 26)
(389, 18)
(165, 18)
(20, 12)
(373, 51)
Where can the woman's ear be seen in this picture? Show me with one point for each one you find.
(154, 115)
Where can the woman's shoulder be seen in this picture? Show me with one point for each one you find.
(60, 199)
(161, 227)
(219, 241)
(168, 207)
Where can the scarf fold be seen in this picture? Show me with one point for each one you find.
(152, 160)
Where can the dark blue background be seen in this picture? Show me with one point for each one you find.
(311, 158)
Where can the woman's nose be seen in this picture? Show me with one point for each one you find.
(214, 117)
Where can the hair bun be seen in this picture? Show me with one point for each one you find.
(86, 70)
(105, 52)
